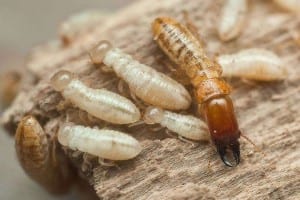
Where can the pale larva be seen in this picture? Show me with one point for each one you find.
(186, 126)
(256, 64)
(100, 103)
(151, 86)
(232, 19)
(39, 158)
(107, 144)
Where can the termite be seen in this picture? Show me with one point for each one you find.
(232, 19)
(40, 159)
(256, 64)
(211, 91)
(151, 86)
(100, 103)
(76, 25)
(187, 126)
(107, 144)
(290, 5)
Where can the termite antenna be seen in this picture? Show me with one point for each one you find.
(251, 142)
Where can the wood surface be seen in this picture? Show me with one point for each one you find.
(168, 168)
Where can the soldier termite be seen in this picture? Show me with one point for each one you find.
(40, 159)
(186, 126)
(211, 91)
(151, 86)
(232, 19)
(100, 103)
(107, 144)
(76, 25)
(256, 64)
(290, 5)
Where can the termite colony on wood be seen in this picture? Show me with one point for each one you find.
(154, 88)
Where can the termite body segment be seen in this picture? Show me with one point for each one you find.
(100, 103)
(211, 91)
(151, 86)
(256, 64)
(186, 126)
(290, 5)
(232, 19)
(39, 160)
(107, 144)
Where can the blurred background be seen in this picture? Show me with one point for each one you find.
(25, 24)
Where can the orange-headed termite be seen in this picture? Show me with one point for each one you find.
(151, 86)
(211, 91)
(40, 159)
(101, 103)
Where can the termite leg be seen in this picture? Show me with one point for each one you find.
(106, 163)
(193, 144)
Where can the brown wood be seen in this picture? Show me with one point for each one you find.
(167, 168)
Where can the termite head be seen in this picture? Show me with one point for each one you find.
(98, 53)
(223, 127)
(61, 79)
(153, 115)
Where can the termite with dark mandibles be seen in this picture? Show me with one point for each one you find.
(211, 91)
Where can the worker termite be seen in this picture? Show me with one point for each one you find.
(211, 91)
(151, 86)
(290, 5)
(107, 144)
(76, 25)
(100, 103)
(256, 64)
(186, 126)
(40, 159)
(232, 19)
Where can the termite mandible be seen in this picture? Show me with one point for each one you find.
(211, 91)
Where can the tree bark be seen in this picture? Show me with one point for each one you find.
(167, 168)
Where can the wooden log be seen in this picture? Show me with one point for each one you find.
(167, 168)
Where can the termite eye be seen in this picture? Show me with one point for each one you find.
(61, 79)
(98, 53)
(153, 115)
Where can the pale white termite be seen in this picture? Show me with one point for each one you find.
(76, 25)
(232, 19)
(151, 86)
(100, 103)
(290, 5)
(107, 144)
(186, 126)
(256, 64)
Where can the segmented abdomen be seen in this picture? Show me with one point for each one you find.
(181, 46)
